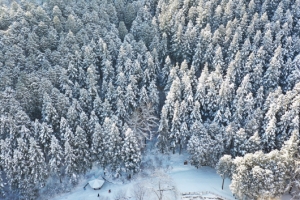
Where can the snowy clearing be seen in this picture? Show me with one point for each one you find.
(190, 179)
(186, 178)
(191, 183)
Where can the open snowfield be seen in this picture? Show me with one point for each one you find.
(190, 179)
(185, 178)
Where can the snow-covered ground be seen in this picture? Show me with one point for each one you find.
(185, 178)
(190, 179)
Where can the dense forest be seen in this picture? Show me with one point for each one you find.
(89, 82)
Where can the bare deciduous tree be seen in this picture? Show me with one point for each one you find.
(162, 185)
(120, 195)
(143, 121)
(139, 192)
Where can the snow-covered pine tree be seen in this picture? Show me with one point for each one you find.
(254, 143)
(113, 145)
(44, 138)
(2, 185)
(49, 113)
(70, 164)
(163, 131)
(201, 146)
(131, 153)
(81, 150)
(55, 157)
(37, 167)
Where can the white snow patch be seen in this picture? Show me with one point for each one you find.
(190, 179)
(286, 197)
(186, 178)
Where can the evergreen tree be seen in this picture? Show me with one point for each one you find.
(81, 150)
(268, 138)
(2, 185)
(200, 89)
(122, 30)
(92, 82)
(55, 157)
(97, 142)
(163, 130)
(73, 114)
(131, 153)
(97, 106)
(37, 165)
(272, 74)
(112, 147)
(45, 135)
(200, 148)
(70, 164)
(49, 113)
(154, 94)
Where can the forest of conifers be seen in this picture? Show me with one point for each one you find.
(87, 82)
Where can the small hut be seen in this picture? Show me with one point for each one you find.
(96, 184)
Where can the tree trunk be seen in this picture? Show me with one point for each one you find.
(173, 150)
(180, 148)
(290, 190)
(223, 183)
